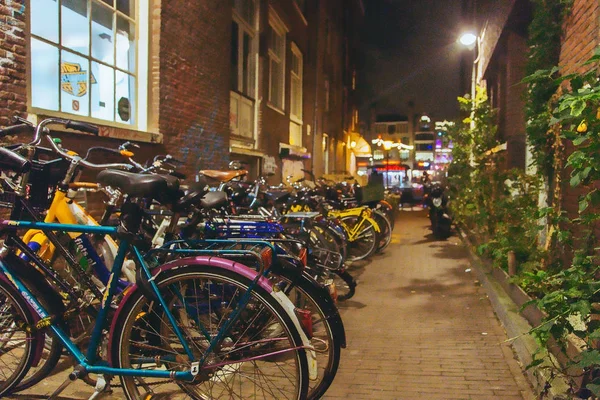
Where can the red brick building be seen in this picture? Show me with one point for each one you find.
(501, 66)
(261, 81)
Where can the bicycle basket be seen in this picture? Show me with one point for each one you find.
(325, 258)
(370, 193)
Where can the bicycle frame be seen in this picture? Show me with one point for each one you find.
(363, 213)
(88, 360)
(66, 211)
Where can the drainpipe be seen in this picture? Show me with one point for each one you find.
(317, 61)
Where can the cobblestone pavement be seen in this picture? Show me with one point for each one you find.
(419, 327)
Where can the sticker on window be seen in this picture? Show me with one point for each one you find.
(74, 79)
(123, 108)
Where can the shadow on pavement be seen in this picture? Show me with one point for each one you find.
(348, 304)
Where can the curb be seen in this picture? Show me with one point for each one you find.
(545, 384)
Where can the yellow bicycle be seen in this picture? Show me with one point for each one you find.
(359, 226)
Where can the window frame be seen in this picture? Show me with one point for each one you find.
(276, 24)
(139, 129)
(299, 78)
(252, 30)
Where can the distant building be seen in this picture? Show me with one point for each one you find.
(392, 144)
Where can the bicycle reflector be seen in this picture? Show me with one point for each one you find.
(266, 257)
(303, 256)
(305, 319)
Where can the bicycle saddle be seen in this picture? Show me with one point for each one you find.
(223, 176)
(140, 185)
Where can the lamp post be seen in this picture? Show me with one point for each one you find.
(387, 145)
(471, 40)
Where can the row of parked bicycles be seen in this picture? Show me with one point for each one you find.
(219, 288)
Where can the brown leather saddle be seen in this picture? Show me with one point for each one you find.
(223, 176)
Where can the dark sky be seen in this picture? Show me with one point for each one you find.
(411, 55)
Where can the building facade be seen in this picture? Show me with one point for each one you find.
(207, 81)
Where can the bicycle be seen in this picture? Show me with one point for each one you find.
(154, 343)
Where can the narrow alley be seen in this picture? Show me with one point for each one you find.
(420, 326)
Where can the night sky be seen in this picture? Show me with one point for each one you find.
(411, 56)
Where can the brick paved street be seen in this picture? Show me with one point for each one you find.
(418, 327)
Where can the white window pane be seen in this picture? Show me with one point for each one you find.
(103, 95)
(44, 19)
(75, 25)
(44, 75)
(103, 44)
(75, 81)
(125, 97)
(125, 44)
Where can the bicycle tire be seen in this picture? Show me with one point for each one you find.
(13, 304)
(385, 230)
(355, 253)
(131, 322)
(316, 297)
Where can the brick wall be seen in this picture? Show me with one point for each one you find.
(13, 52)
(581, 33)
(194, 81)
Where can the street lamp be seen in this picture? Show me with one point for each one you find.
(469, 39)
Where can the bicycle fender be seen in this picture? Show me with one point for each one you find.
(311, 355)
(33, 279)
(182, 263)
(332, 314)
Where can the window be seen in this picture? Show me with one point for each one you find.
(84, 58)
(243, 52)
(391, 129)
(296, 83)
(276, 42)
(326, 95)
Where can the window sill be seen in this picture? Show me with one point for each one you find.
(275, 108)
(107, 128)
(296, 120)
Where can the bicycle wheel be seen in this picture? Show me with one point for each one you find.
(308, 297)
(384, 236)
(261, 355)
(365, 242)
(16, 343)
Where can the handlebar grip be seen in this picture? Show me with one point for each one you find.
(16, 129)
(83, 127)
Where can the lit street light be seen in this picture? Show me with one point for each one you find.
(468, 39)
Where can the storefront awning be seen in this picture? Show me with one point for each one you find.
(361, 147)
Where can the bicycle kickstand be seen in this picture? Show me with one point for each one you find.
(102, 385)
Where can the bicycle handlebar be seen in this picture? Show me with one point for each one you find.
(83, 162)
(83, 127)
(15, 130)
